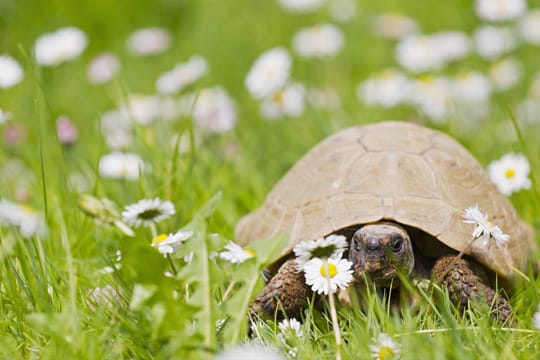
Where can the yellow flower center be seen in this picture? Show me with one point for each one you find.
(386, 353)
(249, 252)
(332, 270)
(510, 173)
(28, 209)
(278, 97)
(159, 239)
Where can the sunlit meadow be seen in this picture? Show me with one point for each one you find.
(135, 134)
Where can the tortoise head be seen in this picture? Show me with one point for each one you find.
(379, 251)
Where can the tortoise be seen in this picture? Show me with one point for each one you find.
(397, 191)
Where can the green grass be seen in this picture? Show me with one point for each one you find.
(45, 307)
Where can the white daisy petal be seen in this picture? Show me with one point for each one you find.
(269, 73)
(510, 173)
(290, 328)
(384, 347)
(339, 275)
(65, 44)
(484, 229)
(331, 246)
(235, 254)
(11, 73)
(168, 244)
(147, 212)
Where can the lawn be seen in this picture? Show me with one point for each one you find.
(137, 133)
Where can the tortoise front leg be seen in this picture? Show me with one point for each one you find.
(287, 292)
(465, 287)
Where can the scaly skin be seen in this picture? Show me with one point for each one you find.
(465, 287)
(286, 292)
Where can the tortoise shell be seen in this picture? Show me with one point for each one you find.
(395, 171)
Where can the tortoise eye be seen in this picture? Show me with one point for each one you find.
(397, 244)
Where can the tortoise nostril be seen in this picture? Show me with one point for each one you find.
(373, 245)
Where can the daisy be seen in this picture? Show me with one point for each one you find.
(103, 68)
(269, 73)
(433, 96)
(451, 45)
(119, 165)
(143, 109)
(394, 25)
(23, 217)
(300, 6)
(342, 10)
(147, 212)
(536, 319)
(418, 53)
(248, 351)
(181, 75)
(471, 87)
(319, 41)
(386, 88)
(484, 229)
(289, 101)
(500, 10)
(11, 73)
(65, 44)
(168, 244)
(214, 110)
(235, 254)
(492, 42)
(505, 73)
(149, 41)
(339, 275)
(290, 328)
(117, 129)
(332, 246)
(510, 173)
(529, 27)
(384, 347)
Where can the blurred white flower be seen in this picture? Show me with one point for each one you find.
(536, 319)
(470, 87)
(319, 41)
(420, 53)
(25, 218)
(103, 68)
(290, 328)
(529, 27)
(505, 73)
(168, 244)
(4, 116)
(323, 98)
(118, 165)
(11, 73)
(500, 10)
(484, 229)
(182, 75)
(106, 296)
(433, 96)
(300, 6)
(235, 254)
(386, 88)
(331, 246)
(492, 42)
(143, 109)
(327, 278)
(149, 41)
(342, 10)
(394, 25)
(384, 347)
(248, 351)
(269, 73)
(65, 44)
(147, 212)
(289, 101)
(214, 110)
(117, 129)
(510, 173)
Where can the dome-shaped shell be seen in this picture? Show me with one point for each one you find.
(396, 171)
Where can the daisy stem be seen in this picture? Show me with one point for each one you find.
(173, 268)
(333, 313)
(153, 230)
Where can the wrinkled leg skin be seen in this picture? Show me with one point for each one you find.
(465, 287)
(286, 292)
